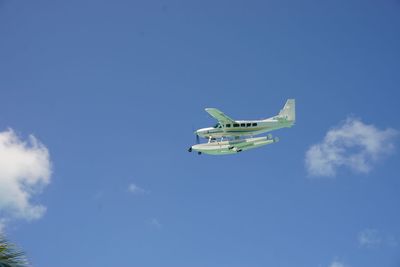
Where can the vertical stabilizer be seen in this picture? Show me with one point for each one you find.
(289, 110)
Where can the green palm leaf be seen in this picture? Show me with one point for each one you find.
(10, 255)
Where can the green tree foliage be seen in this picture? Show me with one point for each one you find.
(10, 255)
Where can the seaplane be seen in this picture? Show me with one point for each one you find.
(230, 136)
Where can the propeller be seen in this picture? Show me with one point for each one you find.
(197, 136)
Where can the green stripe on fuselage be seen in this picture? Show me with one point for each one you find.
(245, 130)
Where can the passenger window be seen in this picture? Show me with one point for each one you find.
(242, 124)
(255, 124)
(235, 125)
(248, 124)
(228, 125)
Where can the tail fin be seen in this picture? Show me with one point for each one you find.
(289, 111)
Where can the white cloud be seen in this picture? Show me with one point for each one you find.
(337, 264)
(134, 189)
(372, 238)
(25, 169)
(352, 144)
(369, 238)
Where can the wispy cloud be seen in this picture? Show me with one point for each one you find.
(156, 223)
(25, 169)
(337, 264)
(134, 189)
(352, 144)
(369, 238)
(372, 238)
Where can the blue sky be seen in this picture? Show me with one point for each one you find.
(113, 91)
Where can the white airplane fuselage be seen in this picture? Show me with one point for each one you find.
(244, 128)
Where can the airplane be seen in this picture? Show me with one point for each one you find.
(235, 129)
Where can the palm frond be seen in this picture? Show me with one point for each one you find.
(10, 255)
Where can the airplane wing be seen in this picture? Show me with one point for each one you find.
(219, 116)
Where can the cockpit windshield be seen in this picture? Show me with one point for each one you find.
(217, 125)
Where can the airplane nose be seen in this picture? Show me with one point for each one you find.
(201, 132)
